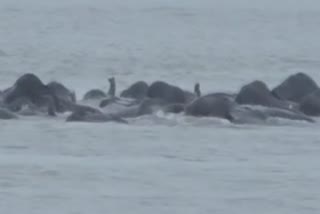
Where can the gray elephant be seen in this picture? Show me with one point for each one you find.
(214, 105)
(138, 91)
(166, 92)
(295, 87)
(310, 104)
(258, 93)
(29, 89)
(65, 96)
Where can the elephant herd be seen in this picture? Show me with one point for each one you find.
(296, 98)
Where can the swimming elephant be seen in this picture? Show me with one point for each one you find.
(310, 104)
(137, 91)
(164, 91)
(99, 94)
(295, 87)
(65, 96)
(89, 114)
(213, 105)
(222, 105)
(30, 87)
(258, 93)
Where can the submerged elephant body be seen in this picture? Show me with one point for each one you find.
(89, 114)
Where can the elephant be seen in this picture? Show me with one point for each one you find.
(295, 87)
(29, 89)
(310, 104)
(166, 92)
(258, 93)
(138, 91)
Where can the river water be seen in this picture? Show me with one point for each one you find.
(160, 163)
